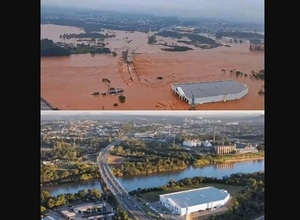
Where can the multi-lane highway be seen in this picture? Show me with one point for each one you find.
(129, 203)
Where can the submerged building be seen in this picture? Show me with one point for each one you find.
(194, 200)
(210, 91)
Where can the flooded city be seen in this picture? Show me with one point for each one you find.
(152, 110)
(68, 82)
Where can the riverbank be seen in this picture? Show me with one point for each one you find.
(116, 161)
(159, 179)
(243, 159)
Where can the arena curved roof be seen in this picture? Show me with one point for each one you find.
(196, 196)
(210, 88)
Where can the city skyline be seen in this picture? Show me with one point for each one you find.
(231, 10)
(158, 113)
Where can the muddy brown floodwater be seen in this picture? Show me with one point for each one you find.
(68, 82)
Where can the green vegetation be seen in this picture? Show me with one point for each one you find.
(213, 159)
(67, 162)
(85, 49)
(92, 35)
(70, 172)
(122, 98)
(195, 38)
(149, 157)
(153, 196)
(48, 48)
(48, 201)
(201, 39)
(170, 34)
(152, 39)
(121, 215)
(247, 190)
(144, 158)
(261, 147)
(43, 209)
(238, 34)
(248, 204)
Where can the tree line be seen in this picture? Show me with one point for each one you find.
(248, 204)
(48, 48)
(49, 201)
(149, 157)
(238, 34)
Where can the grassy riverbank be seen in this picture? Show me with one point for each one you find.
(216, 159)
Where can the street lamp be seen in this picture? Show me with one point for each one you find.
(186, 214)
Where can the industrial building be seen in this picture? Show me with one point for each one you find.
(186, 202)
(225, 149)
(210, 91)
(88, 211)
(191, 143)
(245, 148)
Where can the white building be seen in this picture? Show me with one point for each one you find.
(186, 202)
(211, 91)
(206, 144)
(191, 143)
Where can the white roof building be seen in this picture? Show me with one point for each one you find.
(194, 200)
(210, 91)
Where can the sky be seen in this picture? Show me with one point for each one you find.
(238, 10)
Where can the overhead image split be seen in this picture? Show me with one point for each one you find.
(152, 110)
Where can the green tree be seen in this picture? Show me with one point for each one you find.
(95, 193)
(122, 98)
(45, 195)
(61, 200)
(119, 149)
(43, 209)
(152, 39)
(51, 203)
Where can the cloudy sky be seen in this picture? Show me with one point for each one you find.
(239, 10)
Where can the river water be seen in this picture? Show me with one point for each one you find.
(158, 179)
(68, 82)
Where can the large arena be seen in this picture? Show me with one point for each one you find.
(194, 200)
(212, 91)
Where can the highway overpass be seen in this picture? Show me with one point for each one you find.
(130, 204)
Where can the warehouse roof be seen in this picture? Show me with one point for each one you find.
(196, 196)
(212, 88)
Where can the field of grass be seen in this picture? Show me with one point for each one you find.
(154, 196)
(246, 155)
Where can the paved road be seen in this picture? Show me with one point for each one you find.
(130, 204)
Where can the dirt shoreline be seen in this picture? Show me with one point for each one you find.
(245, 159)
